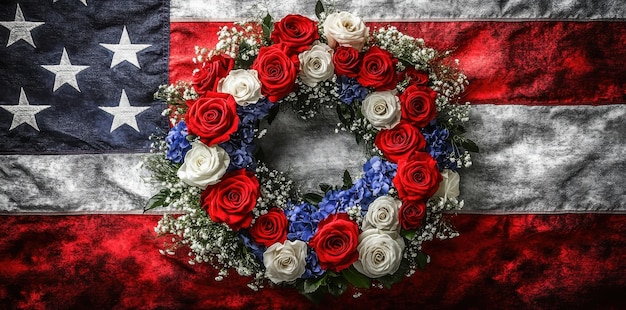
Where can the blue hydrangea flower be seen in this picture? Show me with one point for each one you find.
(177, 143)
(257, 249)
(303, 219)
(376, 182)
(439, 146)
(312, 268)
(349, 90)
(331, 203)
(378, 175)
(250, 114)
(240, 148)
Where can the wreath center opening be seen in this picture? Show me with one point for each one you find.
(310, 151)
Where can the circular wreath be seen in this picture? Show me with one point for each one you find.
(398, 97)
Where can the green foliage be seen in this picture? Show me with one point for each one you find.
(422, 260)
(268, 27)
(400, 274)
(312, 198)
(470, 146)
(243, 60)
(157, 200)
(346, 114)
(325, 187)
(271, 116)
(408, 234)
(336, 286)
(319, 9)
(347, 180)
(356, 278)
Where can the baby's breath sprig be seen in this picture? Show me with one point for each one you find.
(176, 96)
(307, 102)
(208, 242)
(276, 189)
(410, 50)
(352, 120)
(242, 42)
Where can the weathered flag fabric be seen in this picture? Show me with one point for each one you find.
(76, 101)
(543, 223)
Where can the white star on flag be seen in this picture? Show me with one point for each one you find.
(23, 112)
(124, 113)
(20, 29)
(125, 50)
(65, 72)
(83, 1)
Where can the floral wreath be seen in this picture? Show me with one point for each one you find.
(398, 97)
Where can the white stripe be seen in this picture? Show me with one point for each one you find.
(547, 159)
(405, 10)
(73, 183)
(534, 159)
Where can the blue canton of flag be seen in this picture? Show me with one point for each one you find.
(78, 76)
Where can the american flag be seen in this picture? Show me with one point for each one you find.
(543, 222)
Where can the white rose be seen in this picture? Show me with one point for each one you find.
(203, 165)
(382, 214)
(449, 187)
(244, 85)
(316, 64)
(380, 253)
(285, 262)
(345, 29)
(382, 109)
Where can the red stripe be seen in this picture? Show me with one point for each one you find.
(514, 261)
(534, 63)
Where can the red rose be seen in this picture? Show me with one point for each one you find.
(417, 177)
(378, 70)
(270, 228)
(277, 72)
(418, 105)
(415, 77)
(213, 118)
(206, 78)
(347, 61)
(400, 141)
(297, 32)
(335, 242)
(411, 214)
(231, 200)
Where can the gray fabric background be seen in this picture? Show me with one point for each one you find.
(533, 159)
(372, 10)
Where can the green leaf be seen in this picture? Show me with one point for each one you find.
(470, 146)
(336, 286)
(408, 234)
(319, 9)
(347, 180)
(346, 114)
(312, 198)
(315, 297)
(272, 114)
(268, 26)
(358, 138)
(400, 274)
(259, 154)
(325, 187)
(243, 49)
(356, 278)
(157, 200)
(422, 260)
(311, 285)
